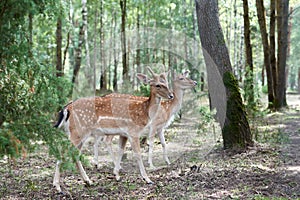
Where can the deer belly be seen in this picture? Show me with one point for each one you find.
(116, 126)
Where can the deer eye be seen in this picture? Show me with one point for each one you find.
(181, 79)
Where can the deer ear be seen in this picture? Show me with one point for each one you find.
(143, 78)
(186, 73)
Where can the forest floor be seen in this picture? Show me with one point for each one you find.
(200, 169)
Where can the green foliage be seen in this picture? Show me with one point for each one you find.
(144, 91)
(272, 137)
(207, 117)
(30, 91)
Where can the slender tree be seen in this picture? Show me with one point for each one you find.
(273, 49)
(103, 80)
(249, 87)
(78, 49)
(266, 49)
(235, 131)
(59, 66)
(123, 5)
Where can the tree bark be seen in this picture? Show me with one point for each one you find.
(103, 79)
(249, 88)
(78, 54)
(235, 130)
(88, 72)
(266, 49)
(298, 80)
(123, 40)
(273, 50)
(115, 79)
(59, 66)
(282, 40)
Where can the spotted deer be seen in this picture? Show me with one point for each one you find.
(107, 115)
(169, 108)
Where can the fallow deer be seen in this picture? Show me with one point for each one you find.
(113, 116)
(168, 109)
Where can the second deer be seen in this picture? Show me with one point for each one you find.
(169, 108)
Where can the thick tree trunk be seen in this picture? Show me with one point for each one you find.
(235, 130)
(282, 40)
(266, 48)
(249, 88)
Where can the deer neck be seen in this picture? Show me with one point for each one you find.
(153, 105)
(177, 101)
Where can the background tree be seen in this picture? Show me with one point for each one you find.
(249, 88)
(282, 42)
(235, 131)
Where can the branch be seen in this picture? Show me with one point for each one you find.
(293, 11)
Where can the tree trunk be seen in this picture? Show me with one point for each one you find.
(59, 66)
(123, 41)
(88, 72)
(95, 49)
(103, 81)
(30, 29)
(298, 80)
(235, 130)
(115, 79)
(78, 53)
(266, 48)
(273, 50)
(282, 40)
(249, 88)
(138, 51)
(235, 40)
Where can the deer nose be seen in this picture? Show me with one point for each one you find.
(195, 83)
(171, 96)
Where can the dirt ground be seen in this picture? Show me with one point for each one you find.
(200, 169)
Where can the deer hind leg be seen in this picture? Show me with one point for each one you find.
(118, 159)
(108, 143)
(96, 150)
(135, 144)
(163, 144)
(150, 153)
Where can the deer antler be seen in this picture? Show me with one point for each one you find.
(150, 70)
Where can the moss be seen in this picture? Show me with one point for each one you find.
(236, 130)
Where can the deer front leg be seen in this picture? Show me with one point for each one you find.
(56, 178)
(163, 144)
(118, 159)
(150, 153)
(83, 173)
(135, 144)
(80, 167)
